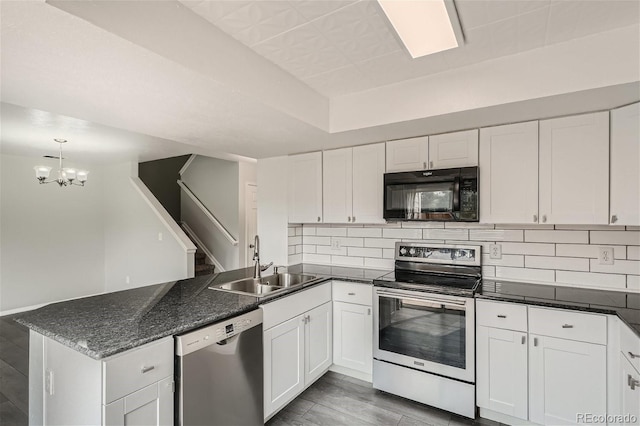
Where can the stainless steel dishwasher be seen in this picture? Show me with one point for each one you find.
(219, 373)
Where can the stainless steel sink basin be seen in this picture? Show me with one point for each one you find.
(262, 286)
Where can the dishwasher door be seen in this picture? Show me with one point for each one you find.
(219, 373)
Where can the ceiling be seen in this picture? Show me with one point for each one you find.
(151, 79)
(340, 47)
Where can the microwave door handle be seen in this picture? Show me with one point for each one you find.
(456, 194)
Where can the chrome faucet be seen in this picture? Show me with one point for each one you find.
(257, 269)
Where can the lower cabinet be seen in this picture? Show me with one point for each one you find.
(297, 350)
(152, 405)
(352, 334)
(629, 383)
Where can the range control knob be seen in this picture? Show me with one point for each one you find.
(412, 251)
(403, 251)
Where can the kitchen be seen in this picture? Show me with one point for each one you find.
(332, 214)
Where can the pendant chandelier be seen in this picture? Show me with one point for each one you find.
(66, 176)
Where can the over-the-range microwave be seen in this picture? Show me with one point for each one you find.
(439, 195)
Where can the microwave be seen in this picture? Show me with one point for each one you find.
(438, 195)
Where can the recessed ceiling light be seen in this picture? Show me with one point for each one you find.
(424, 26)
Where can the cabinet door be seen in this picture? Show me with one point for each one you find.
(566, 378)
(406, 155)
(574, 169)
(459, 149)
(625, 165)
(318, 342)
(630, 391)
(283, 363)
(502, 371)
(352, 336)
(509, 173)
(305, 188)
(152, 405)
(368, 183)
(337, 185)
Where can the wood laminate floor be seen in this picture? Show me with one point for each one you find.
(334, 400)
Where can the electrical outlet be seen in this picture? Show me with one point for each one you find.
(336, 243)
(495, 251)
(605, 255)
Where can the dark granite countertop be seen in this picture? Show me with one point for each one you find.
(343, 273)
(625, 305)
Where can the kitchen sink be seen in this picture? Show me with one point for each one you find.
(261, 287)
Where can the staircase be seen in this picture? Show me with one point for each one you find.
(202, 267)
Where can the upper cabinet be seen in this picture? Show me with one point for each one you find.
(625, 165)
(406, 155)
(353, 184)
(459, 149)
(574, 169)
(509, 173)
(305, 188)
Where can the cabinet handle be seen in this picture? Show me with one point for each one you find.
(614, 218)
(348, 218)
(431, 164)
(632, 355)
(535, 341)
(567, 326)
(147, 369)
(544, 218)
(424, 164)
(535, 218)
(524, 339)
(632, 382)
(318, 218)
(502, 316)
(308, 319)
(368, 311)
(353, 218)
(351, 294)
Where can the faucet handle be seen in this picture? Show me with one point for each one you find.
(277, 268)
(265, 267)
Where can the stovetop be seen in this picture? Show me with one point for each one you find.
(456, 285)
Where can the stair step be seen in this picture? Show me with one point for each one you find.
(200, 254)
(204, 269)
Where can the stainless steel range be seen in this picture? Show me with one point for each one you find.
(424, 344)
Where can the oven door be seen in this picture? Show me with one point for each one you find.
(424, 331)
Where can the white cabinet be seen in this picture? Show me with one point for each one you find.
(305, 188)
(152, 405)
(406, 155)
(353, 329)
(509, 173)
(574, 169)
(133, 387)
(353, 184)
(298, 344)
(625, 165)
(458, 149)
(629, 383)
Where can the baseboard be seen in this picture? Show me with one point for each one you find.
(502, 418)
(351, 373)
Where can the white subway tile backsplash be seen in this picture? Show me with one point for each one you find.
(385, 264)
(323, 241)
(633, 252)
(291, 231)
(445, 234)
(295, 240)
(590, 227)
(506, 260)
(528, 248)
(389, 253)
(590, 279)
(547, 275)
(298, 230)
(364, 252)
(432, 225)
(584, 250)
(292, 250)
(350, 242)
(489, 271)
(308, 230)
(633, 282)
(295, 259)
(316, 258)
(342, 251)
(364, 232)
(630, 267)
(347, 260)
(552, 262)
(309, 248)
(525, 226)
(379, 242)
(553, 236)
(331, 232)
(630, 238)
(496, 235)
(402, 233)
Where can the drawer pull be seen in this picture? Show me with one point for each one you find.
(147, 369)
(633, 383)
(524, 339)
(502, 316)
(369, 311)
(351, 294)
(535, 341)
(632, 355)
(567, 326)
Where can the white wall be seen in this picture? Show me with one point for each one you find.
(248, 173)
(272, 209)
(51, 237)
(132, 247)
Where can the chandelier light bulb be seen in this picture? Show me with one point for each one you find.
(66, 176)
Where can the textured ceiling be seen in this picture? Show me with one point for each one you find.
(340, 47)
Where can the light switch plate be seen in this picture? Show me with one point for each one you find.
(605, 255)
(335, 243)
(495, 251)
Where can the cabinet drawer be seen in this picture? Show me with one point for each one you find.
(361, 294)
(510, 316)
(127, 372)
(630, 345)
(566, 324)
(287, 307)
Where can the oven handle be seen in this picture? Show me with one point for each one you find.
(422, 298)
